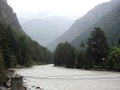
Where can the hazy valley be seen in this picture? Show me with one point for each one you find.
(83, 54)
(46, 30)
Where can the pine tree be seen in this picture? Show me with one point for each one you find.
(97, 47)
(82, 44)
(80, 61)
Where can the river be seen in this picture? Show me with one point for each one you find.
(49, 77)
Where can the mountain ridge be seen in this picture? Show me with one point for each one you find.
(82, 24)
(47, 29)
(8, 16)
(108, 23)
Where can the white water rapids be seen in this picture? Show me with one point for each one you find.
(49, 77)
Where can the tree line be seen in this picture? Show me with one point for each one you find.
(18, 50)
(96, 53)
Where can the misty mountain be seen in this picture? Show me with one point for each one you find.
(46, 30)
(84, 24)
(8, 16)
(16, 48)
(14, 43)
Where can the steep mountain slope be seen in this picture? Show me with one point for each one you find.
(8, 16)
(46, 30)
(15, 46)
(110, 24)
(82, 24)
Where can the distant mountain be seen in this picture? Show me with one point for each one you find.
(8, 16)
(86, 23)
(46, 30)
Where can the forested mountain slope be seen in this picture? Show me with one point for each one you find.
(8, 16)
(109, 23)
(83, 24)
(16, 48)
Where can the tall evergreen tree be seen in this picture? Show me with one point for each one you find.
(82, 44)
(97, 47)
(80, 60)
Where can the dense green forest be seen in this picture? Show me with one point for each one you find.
(17, 49)
(96, 53)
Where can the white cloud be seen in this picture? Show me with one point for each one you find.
(70, 8)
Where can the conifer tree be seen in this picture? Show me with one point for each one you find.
(97, 47)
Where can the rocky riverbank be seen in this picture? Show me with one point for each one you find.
(5, 81)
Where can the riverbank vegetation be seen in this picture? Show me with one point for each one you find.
(96, 53)
(18, 49)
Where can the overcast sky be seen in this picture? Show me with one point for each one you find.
(46, 8)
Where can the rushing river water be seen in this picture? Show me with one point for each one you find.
(49, 77)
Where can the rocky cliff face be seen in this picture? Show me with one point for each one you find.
(8, 16)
